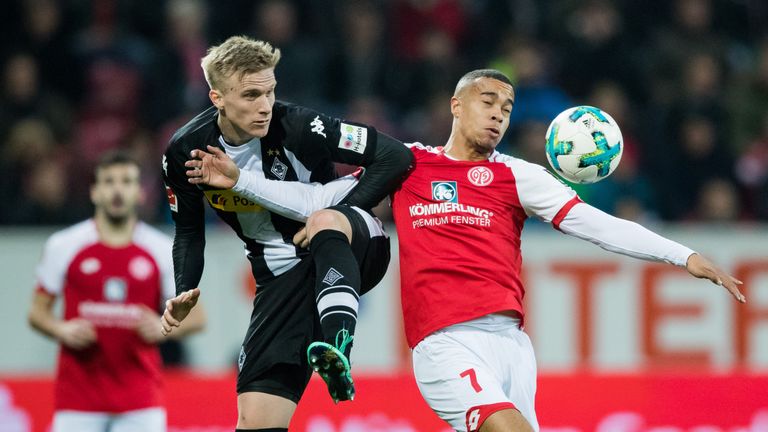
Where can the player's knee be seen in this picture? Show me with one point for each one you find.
(328, 220)
(324, 219)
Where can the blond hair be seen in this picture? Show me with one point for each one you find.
(238, 54)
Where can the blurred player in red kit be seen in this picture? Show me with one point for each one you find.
(114, 274)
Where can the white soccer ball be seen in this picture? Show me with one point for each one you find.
(584, 144)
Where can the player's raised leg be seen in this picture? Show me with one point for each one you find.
(337, 293)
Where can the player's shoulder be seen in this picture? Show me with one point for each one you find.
(196, 131)
(73, 238)
(148, 235)
(517, 165)
(418, 149)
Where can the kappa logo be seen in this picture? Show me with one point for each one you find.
(165, 166)
(318, 127)
(445, 191)
(241, 359)
(480, 176)
(332, 276)
(90, 265)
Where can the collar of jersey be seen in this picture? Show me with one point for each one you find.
(233, 149)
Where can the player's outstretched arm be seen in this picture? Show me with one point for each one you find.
(177, 309)
(702, 268)
(292, 199)
(631, 239)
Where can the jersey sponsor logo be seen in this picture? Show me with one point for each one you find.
(480, 176)
(115, 289)
(332, 276)
(318, 127)
(90, 265)
(279, 169)
(446, 191)
(444, 213)
(353, 138)
(228, 201)
(172, 199)
(140, 268)
(110, 314)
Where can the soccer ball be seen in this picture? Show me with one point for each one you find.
(584, 144)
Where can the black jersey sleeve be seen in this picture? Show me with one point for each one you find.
(188, 212)
(317, 136)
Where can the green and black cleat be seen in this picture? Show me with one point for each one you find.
(333, 367)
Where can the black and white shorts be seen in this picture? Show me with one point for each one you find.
(285, 320)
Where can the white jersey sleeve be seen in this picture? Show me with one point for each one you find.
(58, 253)
(292, 199)
(622, 236)
(539, 192)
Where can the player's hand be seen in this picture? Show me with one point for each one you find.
(301, 239)
(177, 308)
(701, 267)
(146, 326)
(77, 333)
(214, 168)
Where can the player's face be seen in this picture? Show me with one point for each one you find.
(482, 111)
(247, 102)
(116, 192)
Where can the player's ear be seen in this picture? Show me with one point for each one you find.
(455, 106)
(93, 193)
(216, 98)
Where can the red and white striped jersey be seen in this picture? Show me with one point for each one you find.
(459, 225)
(108, 286)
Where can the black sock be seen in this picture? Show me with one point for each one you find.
(337, 287)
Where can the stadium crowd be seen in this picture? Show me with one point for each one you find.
(687, 80)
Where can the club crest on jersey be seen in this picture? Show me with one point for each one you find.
(480, 176)
(140, 268)
(279, 169)
(445, 191)
(115, 289)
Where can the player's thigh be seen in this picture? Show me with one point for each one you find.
(370, 245)
(256, 410)
(83, 421)
(507, 420)
(143, 420)
(270, 399)
(283, 324)
(456, 382)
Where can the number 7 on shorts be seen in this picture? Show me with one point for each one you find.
(472, 379)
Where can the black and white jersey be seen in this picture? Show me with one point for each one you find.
(301, 145)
